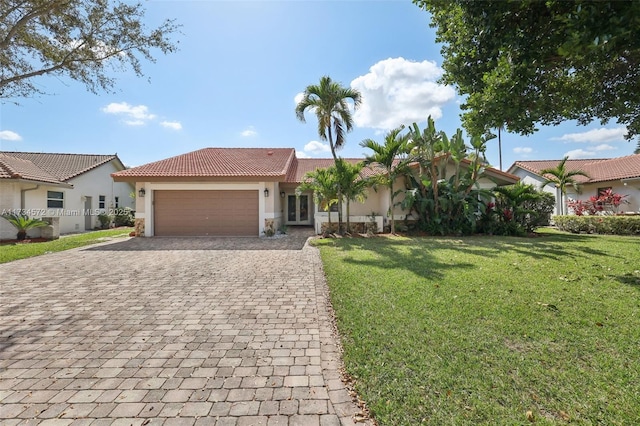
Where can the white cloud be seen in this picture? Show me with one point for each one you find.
(604, 147)
(301, 154)
(398, 91)
(8, 135)
(316, 147)
(248, 132)
(298, 97)
(523, 150)
(579, 153)
(174, 125)
(595, 136)
(133, 115)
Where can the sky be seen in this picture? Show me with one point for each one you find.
(240, 67)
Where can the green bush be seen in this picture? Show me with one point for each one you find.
(124, 217)
(616, 225)
(105, 220)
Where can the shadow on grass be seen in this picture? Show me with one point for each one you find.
(416, 253)
(630, 280)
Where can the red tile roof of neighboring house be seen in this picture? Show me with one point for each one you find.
(17, 168)
(218, 162)
(599, 170)
(62, 166)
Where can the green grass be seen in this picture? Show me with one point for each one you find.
(482, 330)
(12, 252)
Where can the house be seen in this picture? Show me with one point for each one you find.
(242, 191)
(621, 175)
(71, 188)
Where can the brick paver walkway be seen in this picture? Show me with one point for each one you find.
(151, 331)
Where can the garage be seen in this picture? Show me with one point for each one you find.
(206, 213)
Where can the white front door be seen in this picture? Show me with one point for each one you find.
(298, 211)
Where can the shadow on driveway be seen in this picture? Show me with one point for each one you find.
(293, 240)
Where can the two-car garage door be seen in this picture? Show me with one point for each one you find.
(205, 213)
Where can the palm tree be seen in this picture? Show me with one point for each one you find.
(353, 183)
(23, 223)
(323, 183)
(562, 177)
(385, 156)
(328, 100)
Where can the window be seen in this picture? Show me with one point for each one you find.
(101, 199)
(55, 199)
(601, 190)
(117, 202)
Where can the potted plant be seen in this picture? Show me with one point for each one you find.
(23, 223)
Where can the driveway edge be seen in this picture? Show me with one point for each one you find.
(346, 404)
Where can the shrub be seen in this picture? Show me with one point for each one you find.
(124, 217)
(23, 223)
(105, 220)
(616, 225)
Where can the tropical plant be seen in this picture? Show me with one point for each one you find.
(329, 101)
(562, 177)
(354, 185)
(389, 156)
(524, 206)
(23, 223)
(446, 199)
(324, 184)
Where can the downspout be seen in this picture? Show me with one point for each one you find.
(22, 197)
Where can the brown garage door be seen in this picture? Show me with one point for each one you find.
(188, 213)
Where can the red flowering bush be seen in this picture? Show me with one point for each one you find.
(607, 202)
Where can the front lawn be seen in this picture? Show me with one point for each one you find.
(490, 330)
(17, 251)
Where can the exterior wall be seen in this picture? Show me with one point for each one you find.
(91, 185)
(144, 206)
(632, 189)
(72, 216)
(529, 178)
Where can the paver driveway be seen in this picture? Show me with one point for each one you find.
(151, 331)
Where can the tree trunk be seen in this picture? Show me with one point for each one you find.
(335, 162)
(391, 221)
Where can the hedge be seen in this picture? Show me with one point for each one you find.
(616, 225)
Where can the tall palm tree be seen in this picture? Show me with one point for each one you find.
(562, 178)
(385, 156)
(329, 101)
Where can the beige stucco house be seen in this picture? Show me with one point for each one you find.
(243, 191)
(621, 175)
(71, 188)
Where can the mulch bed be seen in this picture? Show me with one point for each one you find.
(25, 241)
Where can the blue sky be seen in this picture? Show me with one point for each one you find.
(234, 82)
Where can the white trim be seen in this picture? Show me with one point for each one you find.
(150, 187)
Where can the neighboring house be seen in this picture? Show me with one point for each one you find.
(74, 188)
(621, 174)
(242, 191)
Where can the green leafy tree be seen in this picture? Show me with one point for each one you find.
(562, 177)
(388, 156)
(82, 39)
(527, 62)
(324, 184)
(329, 100)
(23, 223)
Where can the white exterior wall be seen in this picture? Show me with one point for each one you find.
(92, 184)
(144, 206)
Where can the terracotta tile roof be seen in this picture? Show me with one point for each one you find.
(219, 162)
(301, 166)
(17, 168)
(599, 170)
(63, 166)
